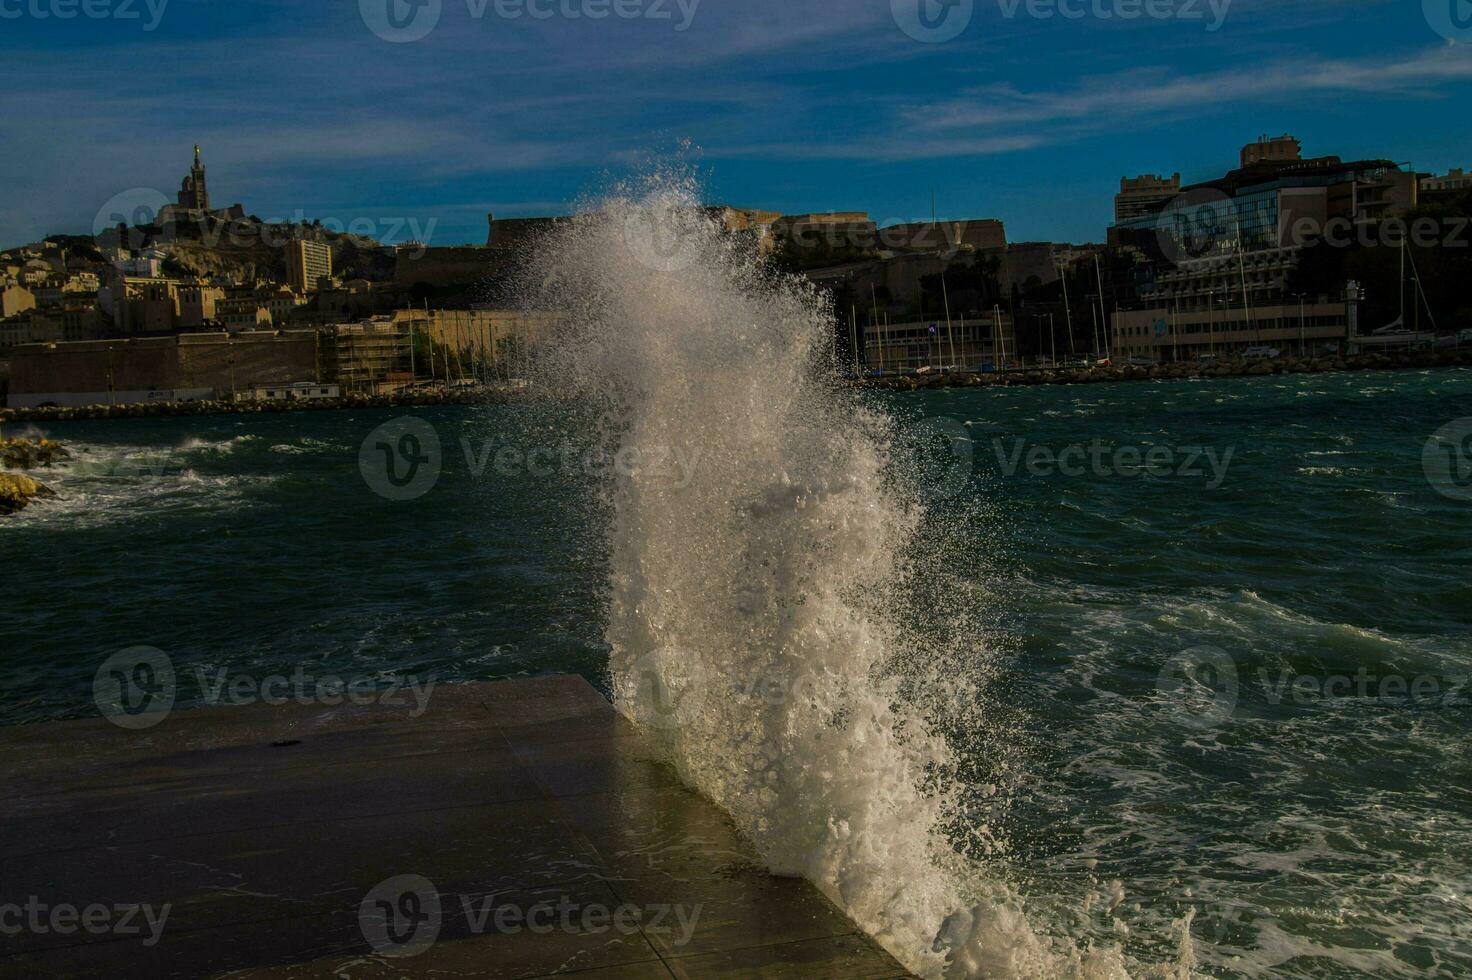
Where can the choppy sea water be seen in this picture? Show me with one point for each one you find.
(1238, 728)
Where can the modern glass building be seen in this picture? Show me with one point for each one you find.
(1248, 212)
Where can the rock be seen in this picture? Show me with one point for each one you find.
(27, 454)
(17, 490)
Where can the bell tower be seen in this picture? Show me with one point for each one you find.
(194, 194)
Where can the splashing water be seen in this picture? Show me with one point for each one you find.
(759, 612)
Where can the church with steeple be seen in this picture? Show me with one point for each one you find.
(194, 198)
(194, 195)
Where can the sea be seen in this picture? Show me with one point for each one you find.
(1151, 679)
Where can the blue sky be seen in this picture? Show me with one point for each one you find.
(791, 105)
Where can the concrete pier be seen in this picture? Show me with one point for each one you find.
(516, 829)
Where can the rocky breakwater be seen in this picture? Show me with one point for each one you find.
(19, 489)
(417, 397)
(1181, 370)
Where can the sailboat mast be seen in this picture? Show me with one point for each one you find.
(1242, 272)
(950, 334)
(1103, 313)
(1067, 308)
(1401, 286)
(874, 321)
(999, 355)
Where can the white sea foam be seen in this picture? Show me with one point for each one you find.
(195, 444)
(105, 482)
(759, 614)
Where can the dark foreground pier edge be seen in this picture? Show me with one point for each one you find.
(512, 829)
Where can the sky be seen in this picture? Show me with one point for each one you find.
(414, 118)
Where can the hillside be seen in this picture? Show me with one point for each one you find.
(242, 250)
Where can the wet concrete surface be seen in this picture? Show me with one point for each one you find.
(512, 829)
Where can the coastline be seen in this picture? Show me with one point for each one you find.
(1399, 360)
(1390, 361)
(426, 397)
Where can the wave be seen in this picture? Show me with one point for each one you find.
(775, 618)
(199, 444)
(108, 482)
(1302, 809)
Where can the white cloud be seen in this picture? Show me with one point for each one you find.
(1105, 100)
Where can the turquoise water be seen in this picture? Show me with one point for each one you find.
(1235, 686)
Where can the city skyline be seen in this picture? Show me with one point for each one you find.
(1024, 117)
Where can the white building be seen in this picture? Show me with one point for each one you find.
(298, 391)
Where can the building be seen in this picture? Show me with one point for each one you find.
(1144, 194)
(194, 194)
(982, 343)
(352, 301)
(1453, 182)
(243, 309)
(144, 264)
(81, 321)
(513, 233)
(83, 282)
(35, 273)
(297, 391)
(141, 305)
(734, 221)
(1028, 265)
(280, 303)
(835, 229)
(307, 263)
(1234, 242)
(198, 304)
(478, 343)
(1220, 325)
(447, 267)
(15, 299)
(1266, 203)
(752, 224)
(141, 369)
(944, 236)
(193, 201)
(33, 326)
(1278, 149)
(61, 289)
(375, 356)
(255, 306)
